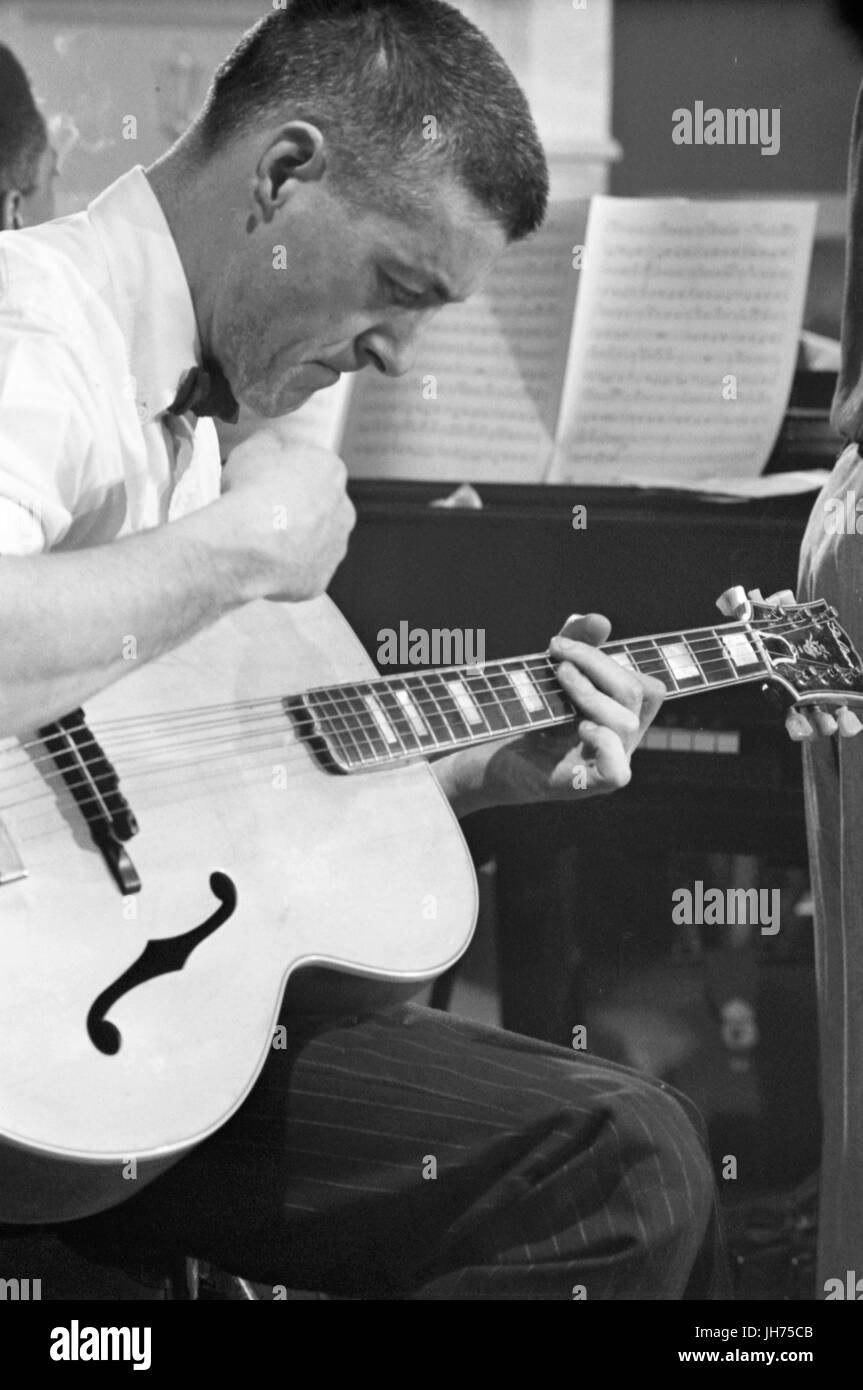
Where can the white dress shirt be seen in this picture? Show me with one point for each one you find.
(97, 331)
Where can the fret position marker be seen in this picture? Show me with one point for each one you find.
(524, 689)
(680, 661)
(417, 722)
(739, 648)
(380, 719)
(464, 700)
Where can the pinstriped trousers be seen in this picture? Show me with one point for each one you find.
(410, 1154)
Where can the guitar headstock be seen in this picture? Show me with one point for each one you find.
(807, 652)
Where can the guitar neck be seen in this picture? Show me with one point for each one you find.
(372, 723)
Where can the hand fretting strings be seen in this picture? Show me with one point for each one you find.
(488, 688)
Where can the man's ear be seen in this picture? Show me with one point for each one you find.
(297, 154)
(10, 210)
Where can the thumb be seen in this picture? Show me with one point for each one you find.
(589, 627)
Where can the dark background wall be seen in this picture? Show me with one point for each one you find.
(796, 55)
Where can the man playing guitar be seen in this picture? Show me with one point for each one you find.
(123, 539)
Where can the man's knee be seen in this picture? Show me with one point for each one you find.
(659, 1136)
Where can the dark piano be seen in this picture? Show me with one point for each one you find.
(718, 773)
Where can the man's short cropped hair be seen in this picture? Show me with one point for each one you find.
(23, 136)
(403, 90)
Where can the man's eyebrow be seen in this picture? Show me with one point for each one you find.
(436, 285)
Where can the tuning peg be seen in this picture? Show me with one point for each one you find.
(734, 603)
(798, 726)
(824, 722)
(849, 724)
(782, 598)
(756, 595)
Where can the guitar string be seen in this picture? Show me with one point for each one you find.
(636, 645)
(370, 732)
(199, 764)
(400, 754)
(410, 750)
(366, 726)
(343, 708)
(147, 770)
(147, 723)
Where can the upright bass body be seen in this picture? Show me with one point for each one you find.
(253, 861)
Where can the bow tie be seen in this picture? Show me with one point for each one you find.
(205, 391)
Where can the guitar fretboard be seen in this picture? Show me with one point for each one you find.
(371, 723)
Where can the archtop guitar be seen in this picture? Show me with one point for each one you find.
(256, 806)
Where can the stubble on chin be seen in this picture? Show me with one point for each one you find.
(253, 381)
(274, 402)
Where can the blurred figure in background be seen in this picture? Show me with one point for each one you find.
(28, 164)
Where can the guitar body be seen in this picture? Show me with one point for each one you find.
(142, 977)
(365, 874)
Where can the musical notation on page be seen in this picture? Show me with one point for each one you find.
(684, 340)
(482, 401)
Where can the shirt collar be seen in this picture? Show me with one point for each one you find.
(152, 300)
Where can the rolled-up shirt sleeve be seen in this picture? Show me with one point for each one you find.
(45, 437)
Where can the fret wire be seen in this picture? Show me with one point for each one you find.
(457, 675)
(699, 674)
(552, 721)
(448, 716)
(400, 711)
(525, 696)
(495, 702)
(423, 710)
(666, 667)
(328, 699)
(712, 637)
(511, 699)
(633, 659)
(730, 682)
(721, 657)
(482, 692)
(684, 642)
(453, 734)
(366, 723)
(550, 689)
(425, 735)
(450, 736)
(424, 690)
(325, 701)
(629, 645)
(656, 664)
(414, 683)
(466, 680)
(535, 685)
(353, 731)
(342, 718)
(378, 690)
(374, 732)
(358, 753)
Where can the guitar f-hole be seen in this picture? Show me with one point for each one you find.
(160, 957)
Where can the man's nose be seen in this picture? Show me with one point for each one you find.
(389, 350)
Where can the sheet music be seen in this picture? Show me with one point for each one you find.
(685, 339)
(481, 403)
